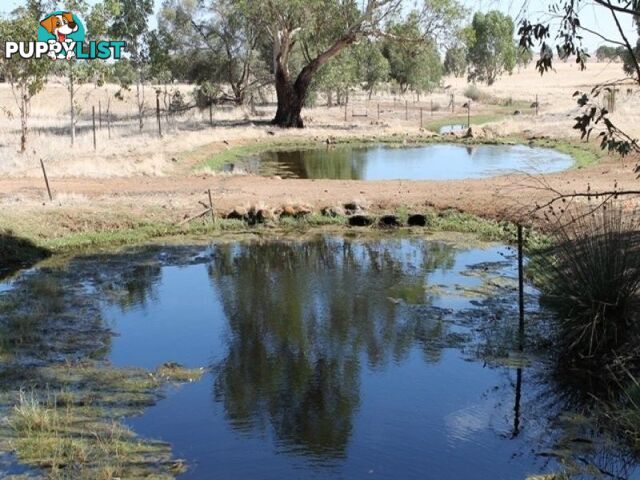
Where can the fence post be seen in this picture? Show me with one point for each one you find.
(210, 111)
(158, 113)
(378, 110)
(213, 218)
(520, 288)
(537, 105)
(93, 121)
(100, 114)
(109, 117)
(46, 180)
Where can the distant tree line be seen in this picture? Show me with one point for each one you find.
(240, 50)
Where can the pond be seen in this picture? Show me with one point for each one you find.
(428, 162)
(325, 357)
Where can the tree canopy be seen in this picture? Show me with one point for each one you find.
(491, 48)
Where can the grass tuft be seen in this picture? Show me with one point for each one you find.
(591, 276)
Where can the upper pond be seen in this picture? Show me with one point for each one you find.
(326, 358)
(429, 162)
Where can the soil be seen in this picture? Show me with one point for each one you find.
(178, 195)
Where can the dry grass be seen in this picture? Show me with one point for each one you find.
(131, 152)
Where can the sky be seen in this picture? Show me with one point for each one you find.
(592, 16)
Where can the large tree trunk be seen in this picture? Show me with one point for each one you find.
(292, 95)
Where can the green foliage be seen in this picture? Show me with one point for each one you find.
(473, 93)
(524, 56)
(606, 52)
(414, 61)
(373, 67)
(455, 61)
(26, 76)
(492, 50)
(130, 23)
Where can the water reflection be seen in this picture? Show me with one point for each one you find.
(430, 162)
(329, 357)
(300, 315)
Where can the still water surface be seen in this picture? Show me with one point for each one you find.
(430, 162)
(331, 357)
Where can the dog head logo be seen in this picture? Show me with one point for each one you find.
(62, 27)
(62, 35)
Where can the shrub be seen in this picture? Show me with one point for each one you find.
(473, 93)
(592, 277)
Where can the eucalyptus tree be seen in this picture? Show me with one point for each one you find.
(567, 34)
(25, 76)
(232, 39)
(319, 30)
(131, 24)
(455, 61)
(491, 48)
(81, 72)
(414, 61)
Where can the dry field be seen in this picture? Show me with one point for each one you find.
(136, 173)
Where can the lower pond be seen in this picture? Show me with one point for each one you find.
(429, 162)
(327, 357)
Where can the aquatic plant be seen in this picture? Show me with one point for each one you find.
(591, 276)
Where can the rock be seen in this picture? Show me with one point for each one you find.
(288, 211)
(303, 211)
(388, 221)
(360, 221)
(417, 220)
(336, 211)
(470, 133)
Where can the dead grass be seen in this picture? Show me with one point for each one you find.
(129, 152)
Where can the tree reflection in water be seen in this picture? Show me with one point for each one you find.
(302, 317)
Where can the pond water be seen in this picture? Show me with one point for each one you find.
(429, 162)
(327, 357)
(456, 127)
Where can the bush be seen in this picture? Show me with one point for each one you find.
(474, 93)
(592, 278)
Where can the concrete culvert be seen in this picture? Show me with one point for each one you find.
(389, 221)
(237, 213)
(360, 221)
(417, 220)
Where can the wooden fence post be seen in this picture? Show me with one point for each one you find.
(158, 113)
(378, 110)
(46, 180)
(210, 111)
(100, 114)
(213, 218)
(109, 117)
(93, 120)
